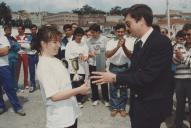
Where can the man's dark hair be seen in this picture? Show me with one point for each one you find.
(95, 27)
(156, 27)
(186, 27)
(33, 26)
(120, 25)
(66, 26)
(180, 33)
(22, 26)
(78, 30)
(6, 26)
(138, 11)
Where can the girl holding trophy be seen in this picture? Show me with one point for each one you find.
(77, 55)
(61, 106)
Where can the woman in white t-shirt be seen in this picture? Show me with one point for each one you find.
(61, 106)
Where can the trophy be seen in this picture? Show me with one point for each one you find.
(75, 66)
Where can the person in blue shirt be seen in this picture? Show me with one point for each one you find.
(13, 52)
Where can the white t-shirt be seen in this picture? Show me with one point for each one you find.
(119, 58)
(4, 43)
(73, 50)
(95, 44)
(53, 78)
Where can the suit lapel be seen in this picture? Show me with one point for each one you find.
(145, 47)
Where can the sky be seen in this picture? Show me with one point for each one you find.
(158, 6)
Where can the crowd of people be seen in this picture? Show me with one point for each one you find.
(140, 59)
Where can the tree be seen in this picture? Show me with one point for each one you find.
(86, 9)
(5, 13)
(116, 10)
(27, 23)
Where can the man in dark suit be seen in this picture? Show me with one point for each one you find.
(150, 76)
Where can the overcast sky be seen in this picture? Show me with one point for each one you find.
(158, 6)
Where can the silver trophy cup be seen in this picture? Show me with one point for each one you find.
(75, 66)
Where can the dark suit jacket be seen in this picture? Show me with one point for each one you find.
(150, 77)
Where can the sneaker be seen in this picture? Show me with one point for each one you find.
(106, 104)
(20, 90)
(80, 105)
(31, 89)
(123, 113)
(114, 112)
(95, 103)
(21, 112)
(27, 87)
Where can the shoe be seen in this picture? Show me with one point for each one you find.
(95, 103)
(106, 104)
(123, 113)
(21, 112)
(31, 89)
(80, 105)
(2, 111)
(20, 90)
(114, 112)
(27, 87)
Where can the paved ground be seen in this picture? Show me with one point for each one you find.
(91, 117)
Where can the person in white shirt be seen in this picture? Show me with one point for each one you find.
(77, 49)
(118, 52)
(95, 44)
(61, 106)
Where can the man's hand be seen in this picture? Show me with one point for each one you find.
(83, 58)
(92, 53)
(103, 77)
(121, 42)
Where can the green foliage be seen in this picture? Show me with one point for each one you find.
(5, 13)
(86, 9)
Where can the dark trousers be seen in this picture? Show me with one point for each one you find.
(8, 85)
(183, 91)
(75, 125)
(32, 61)
(148, 114)
(94, 88)
(13, 64)
(76, 84)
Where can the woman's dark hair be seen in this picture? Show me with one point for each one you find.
(46, 33)
(78, 30)
(138, 11)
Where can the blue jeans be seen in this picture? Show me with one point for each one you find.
(7, 83)
(13, 64)
(32, 61)
(118, 102)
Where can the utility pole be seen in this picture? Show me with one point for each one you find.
(168, 17)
